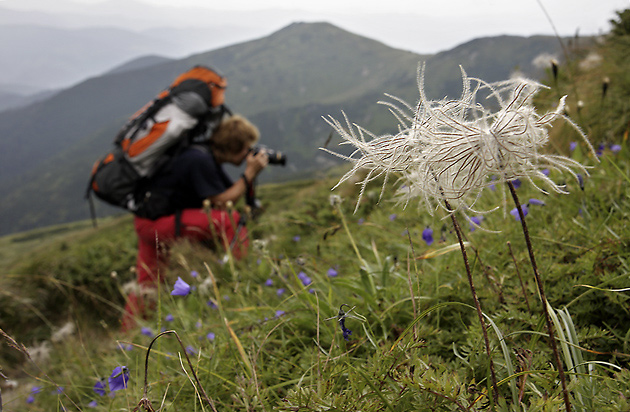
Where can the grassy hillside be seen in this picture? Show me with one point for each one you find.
(335, 310)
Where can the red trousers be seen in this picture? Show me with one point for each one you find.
(155, 236)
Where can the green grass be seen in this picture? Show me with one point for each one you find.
(416, 343)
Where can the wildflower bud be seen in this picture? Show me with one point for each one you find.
(229, 205)
(334, 200)
(427, 235)
(554, 69)
(580, 105)
(114, 274)
(206, 205)
(580, 179)
(605, 84)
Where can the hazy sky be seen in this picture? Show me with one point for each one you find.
(423, 26)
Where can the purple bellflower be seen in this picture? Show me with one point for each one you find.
(304, 278)
(474, 222)
(147, 332)
(118, 379)
(514, 212)
(516, 183)
(427, 235)
(180, 288)
(99, 388)
(580, 179)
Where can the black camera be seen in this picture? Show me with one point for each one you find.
(275, 157)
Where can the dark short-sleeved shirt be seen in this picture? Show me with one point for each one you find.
(190, 178)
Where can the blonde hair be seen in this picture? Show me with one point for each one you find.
(233, 134)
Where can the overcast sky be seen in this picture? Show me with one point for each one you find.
(423, 26)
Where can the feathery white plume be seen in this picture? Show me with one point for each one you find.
(450, 150)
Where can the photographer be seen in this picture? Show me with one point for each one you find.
(177, 198)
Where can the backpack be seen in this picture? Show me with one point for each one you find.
(187, 112)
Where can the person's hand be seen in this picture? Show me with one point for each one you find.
(256, 163)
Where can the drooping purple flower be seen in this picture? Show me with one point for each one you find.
(304, 278)
(332, 273)
(360, 221)
(180, 288)
(545, 172)
(280, 292)
(146, 332)
(474, 222)
(118, 379)
(169, 318)
(392, 217)
(212, 304)
(580, 179)
(194, 273)
(536, 202)
(92, 404)
(210, 336)
(427, 235)
(279, 313)
(269, 282)
(514, 212)
(572, 146)
(99, 388)
(615, 148)
(296, 238)
(190, 350)
(345, 331)
(600, 150)
(34, 391)
(516, 183)
(341, 319)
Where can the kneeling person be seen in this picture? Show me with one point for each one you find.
(178, 193)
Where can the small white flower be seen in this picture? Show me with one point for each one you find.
(40, 353)
(334, 200)
(63, 332)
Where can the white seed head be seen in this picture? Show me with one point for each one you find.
(450, 150)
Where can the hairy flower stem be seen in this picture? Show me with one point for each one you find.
(460, 238)
(518, 273)
(543, 298)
